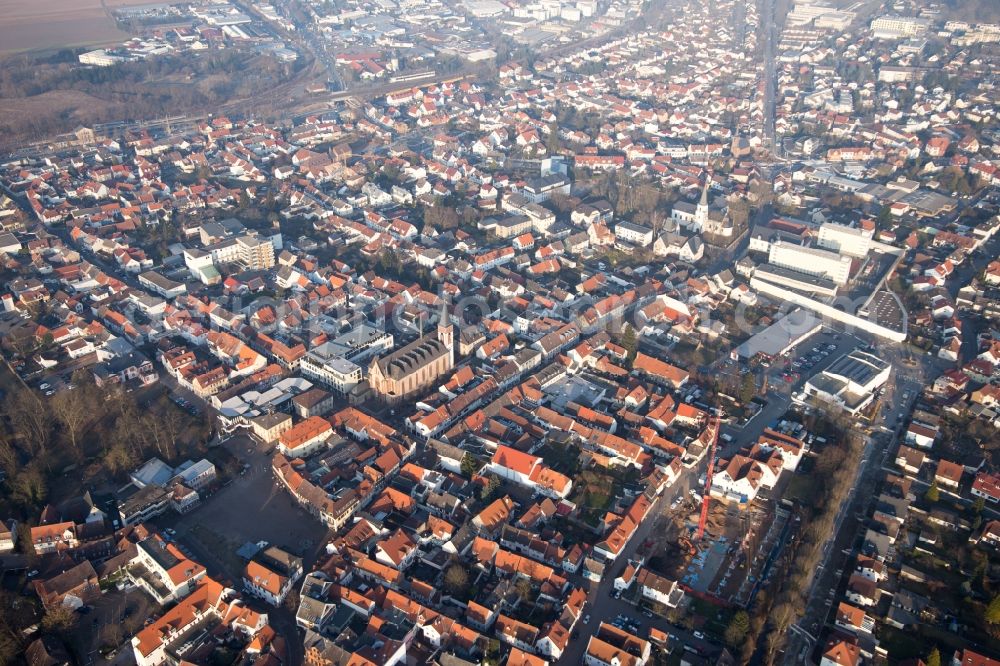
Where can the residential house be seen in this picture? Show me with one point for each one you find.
(73, 588)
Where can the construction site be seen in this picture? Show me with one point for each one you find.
(720, 550)
(733, 558)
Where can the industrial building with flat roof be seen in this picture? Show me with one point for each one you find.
(782, 335)
(810, 284)
(811, 261)
(851, 381)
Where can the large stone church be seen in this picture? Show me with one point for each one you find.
(415, 367)
(703, 218)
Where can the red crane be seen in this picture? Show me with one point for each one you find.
(713, 425)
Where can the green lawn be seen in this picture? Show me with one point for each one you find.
(596, 500)
(595, 490)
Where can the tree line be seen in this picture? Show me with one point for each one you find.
(775, 612)
(183, 83)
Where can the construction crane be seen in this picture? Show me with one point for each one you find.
(714, 426)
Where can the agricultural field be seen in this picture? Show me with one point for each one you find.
(52, 24)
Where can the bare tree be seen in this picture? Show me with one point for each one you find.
(781, 619)
(11, 623)
(58, 620)
(21, 345)
(30, 420)
(173, 423)
(127, 436)
(8, 458)
(28, 488)
(73, 412)
(456, 579)
(153, 426)
(119, 458)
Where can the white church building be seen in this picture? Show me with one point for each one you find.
(703, 218)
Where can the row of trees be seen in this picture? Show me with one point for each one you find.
(833, 476)
(627, 195)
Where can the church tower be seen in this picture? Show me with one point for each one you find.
(445, 331)
(701, 212)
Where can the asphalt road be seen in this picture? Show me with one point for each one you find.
(770, 31)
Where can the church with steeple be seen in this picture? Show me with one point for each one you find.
(703, 218)
(414, 368)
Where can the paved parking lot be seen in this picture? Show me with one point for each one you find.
(111, 619)
(251, 508)
(779, 391)
(886, 310)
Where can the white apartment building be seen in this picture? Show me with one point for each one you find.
(201, 266)
(896, 27)
(254, 252)
(335, 372)
(305, 437)
(811, 261)
(844, 240)
(161, 285)
(636, 234)
(163, 571)
(659, 589)
(272, 574)
(337, 363)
